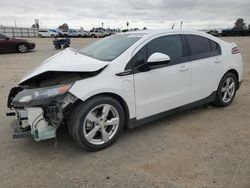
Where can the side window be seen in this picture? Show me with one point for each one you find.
(201, 47)
(141, 57)
(198, 45)
(169, 45)
(2, 37)
(215, 48)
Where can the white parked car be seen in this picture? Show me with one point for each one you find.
(124, 81)
(47, 33)
(98, 34)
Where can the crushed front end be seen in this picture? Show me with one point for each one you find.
(39, 111)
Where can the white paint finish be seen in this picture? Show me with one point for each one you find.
(67, 60)
(154, 91)
(161, 89)
(106, 82)
(158, 57)
(205, 76)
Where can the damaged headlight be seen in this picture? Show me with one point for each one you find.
(40, 96)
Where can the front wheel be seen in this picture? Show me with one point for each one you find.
(22, 48)
(226, 90)
(97, 123)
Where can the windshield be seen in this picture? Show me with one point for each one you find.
(111, 47)
(7, 36)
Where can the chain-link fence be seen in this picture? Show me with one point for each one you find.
(19, 31)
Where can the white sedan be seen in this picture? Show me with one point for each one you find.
(124, 81)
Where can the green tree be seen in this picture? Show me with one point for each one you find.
(240, 25)
(64, 27)
(35, 26)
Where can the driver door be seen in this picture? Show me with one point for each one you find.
(165, 86)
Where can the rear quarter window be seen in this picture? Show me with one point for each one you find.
(201, 47)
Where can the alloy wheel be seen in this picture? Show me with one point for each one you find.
(22, 48)
(228, 90)
(101, 124)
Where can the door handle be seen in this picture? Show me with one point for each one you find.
(217, 60)
(183, 68)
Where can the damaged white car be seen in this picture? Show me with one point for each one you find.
(124, 81)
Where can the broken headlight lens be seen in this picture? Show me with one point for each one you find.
(40, 95)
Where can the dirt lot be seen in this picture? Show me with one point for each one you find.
(204, 147)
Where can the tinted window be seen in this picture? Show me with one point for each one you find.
(215, 47)
(169, 45)
(198, 45)
(2, 37)
(141, 57)
(201, 47)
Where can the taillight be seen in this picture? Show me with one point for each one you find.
(235, 50)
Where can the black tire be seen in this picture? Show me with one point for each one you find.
(58, 47)
(52, 36)
(93, 36)
(22, 48)
(219, 95)
(65, 46)
(40, 36)
(78, 117)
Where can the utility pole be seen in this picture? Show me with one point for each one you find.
(181, 24)
(127, 25)
(15, 22)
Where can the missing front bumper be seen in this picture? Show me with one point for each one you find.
(31, 122)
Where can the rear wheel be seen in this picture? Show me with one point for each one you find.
(97, 123)
(22, 48)
(58, 47)
(226, 90)
(92, 36)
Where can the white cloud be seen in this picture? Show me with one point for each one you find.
(140, 13)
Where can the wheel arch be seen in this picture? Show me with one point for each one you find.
(235, 72)
(116, 97)
(17, 44)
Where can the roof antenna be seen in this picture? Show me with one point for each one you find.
(173, 26)
(181, 24)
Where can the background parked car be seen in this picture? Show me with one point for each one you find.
(84, 33)
(10, 44)
(98, 33)
(62, 33)
(234, 32)
(47, 33)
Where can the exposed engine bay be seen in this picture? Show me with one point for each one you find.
(41, 103)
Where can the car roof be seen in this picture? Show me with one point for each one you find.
(166, 31)
(150, 33)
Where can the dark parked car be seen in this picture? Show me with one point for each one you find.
(10, 44)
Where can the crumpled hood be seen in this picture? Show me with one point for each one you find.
(67, 61)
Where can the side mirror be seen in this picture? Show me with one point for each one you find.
(158, 59)
(155, 59)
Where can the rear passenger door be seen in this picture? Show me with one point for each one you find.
(205, 56)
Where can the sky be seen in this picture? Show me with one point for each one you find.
(153, 14)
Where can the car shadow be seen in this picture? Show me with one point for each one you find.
(65, 144)
(15, 52)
